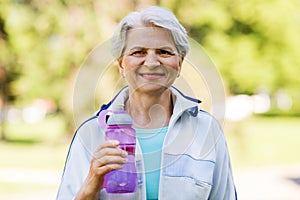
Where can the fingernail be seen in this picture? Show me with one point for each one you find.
(124, 153)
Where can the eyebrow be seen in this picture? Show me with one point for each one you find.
(163, 47)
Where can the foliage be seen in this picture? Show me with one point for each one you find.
(254, 43)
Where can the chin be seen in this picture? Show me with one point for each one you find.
(152, 88)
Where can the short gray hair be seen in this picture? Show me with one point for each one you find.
(153, 15)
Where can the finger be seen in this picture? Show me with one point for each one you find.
(110, 152)
(106, 160)
(104, 164)
(109, 148)
(108, 144)
(108, 168)
(111, 167)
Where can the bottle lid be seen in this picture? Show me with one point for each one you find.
(119, 116)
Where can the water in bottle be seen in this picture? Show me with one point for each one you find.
(119, 127)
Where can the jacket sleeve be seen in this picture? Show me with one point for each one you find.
(75, 171)
(223, 184)
(77, 164)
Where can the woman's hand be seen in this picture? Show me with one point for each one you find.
(106, 158)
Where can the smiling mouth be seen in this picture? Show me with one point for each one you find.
(152, 76)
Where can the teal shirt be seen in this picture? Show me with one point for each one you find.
(151, 141)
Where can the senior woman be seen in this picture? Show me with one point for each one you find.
(181, 151)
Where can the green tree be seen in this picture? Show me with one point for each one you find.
(254, 43)
(8, 75)
(50, 40)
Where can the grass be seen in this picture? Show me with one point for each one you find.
(41, 145)
(48, 130)
(33, 147)
(262, 141)
(37, 156)
(259, 141)
(19, 188)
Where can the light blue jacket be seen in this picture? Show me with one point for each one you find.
(195, 161)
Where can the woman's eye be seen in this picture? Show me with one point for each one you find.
(167, 53)
(138, 53)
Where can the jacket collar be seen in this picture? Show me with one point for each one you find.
(181, 102)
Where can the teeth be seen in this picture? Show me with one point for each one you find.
(151, 74)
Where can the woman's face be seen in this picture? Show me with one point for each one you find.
(150, 62)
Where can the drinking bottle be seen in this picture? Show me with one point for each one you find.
(119, 127)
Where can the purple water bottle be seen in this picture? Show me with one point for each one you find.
(119, 127)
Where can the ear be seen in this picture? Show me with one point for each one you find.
(181, 60)
(121, 68)
(120, 60)
(180, 64)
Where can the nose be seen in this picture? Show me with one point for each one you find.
(151, 60)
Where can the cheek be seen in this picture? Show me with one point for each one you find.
(174, 64)
(130, 64)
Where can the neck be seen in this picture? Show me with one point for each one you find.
(150, 111)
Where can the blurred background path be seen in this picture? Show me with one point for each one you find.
(269, 183)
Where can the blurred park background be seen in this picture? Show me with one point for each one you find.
(254, 44)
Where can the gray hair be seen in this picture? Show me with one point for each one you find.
(153, 15)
